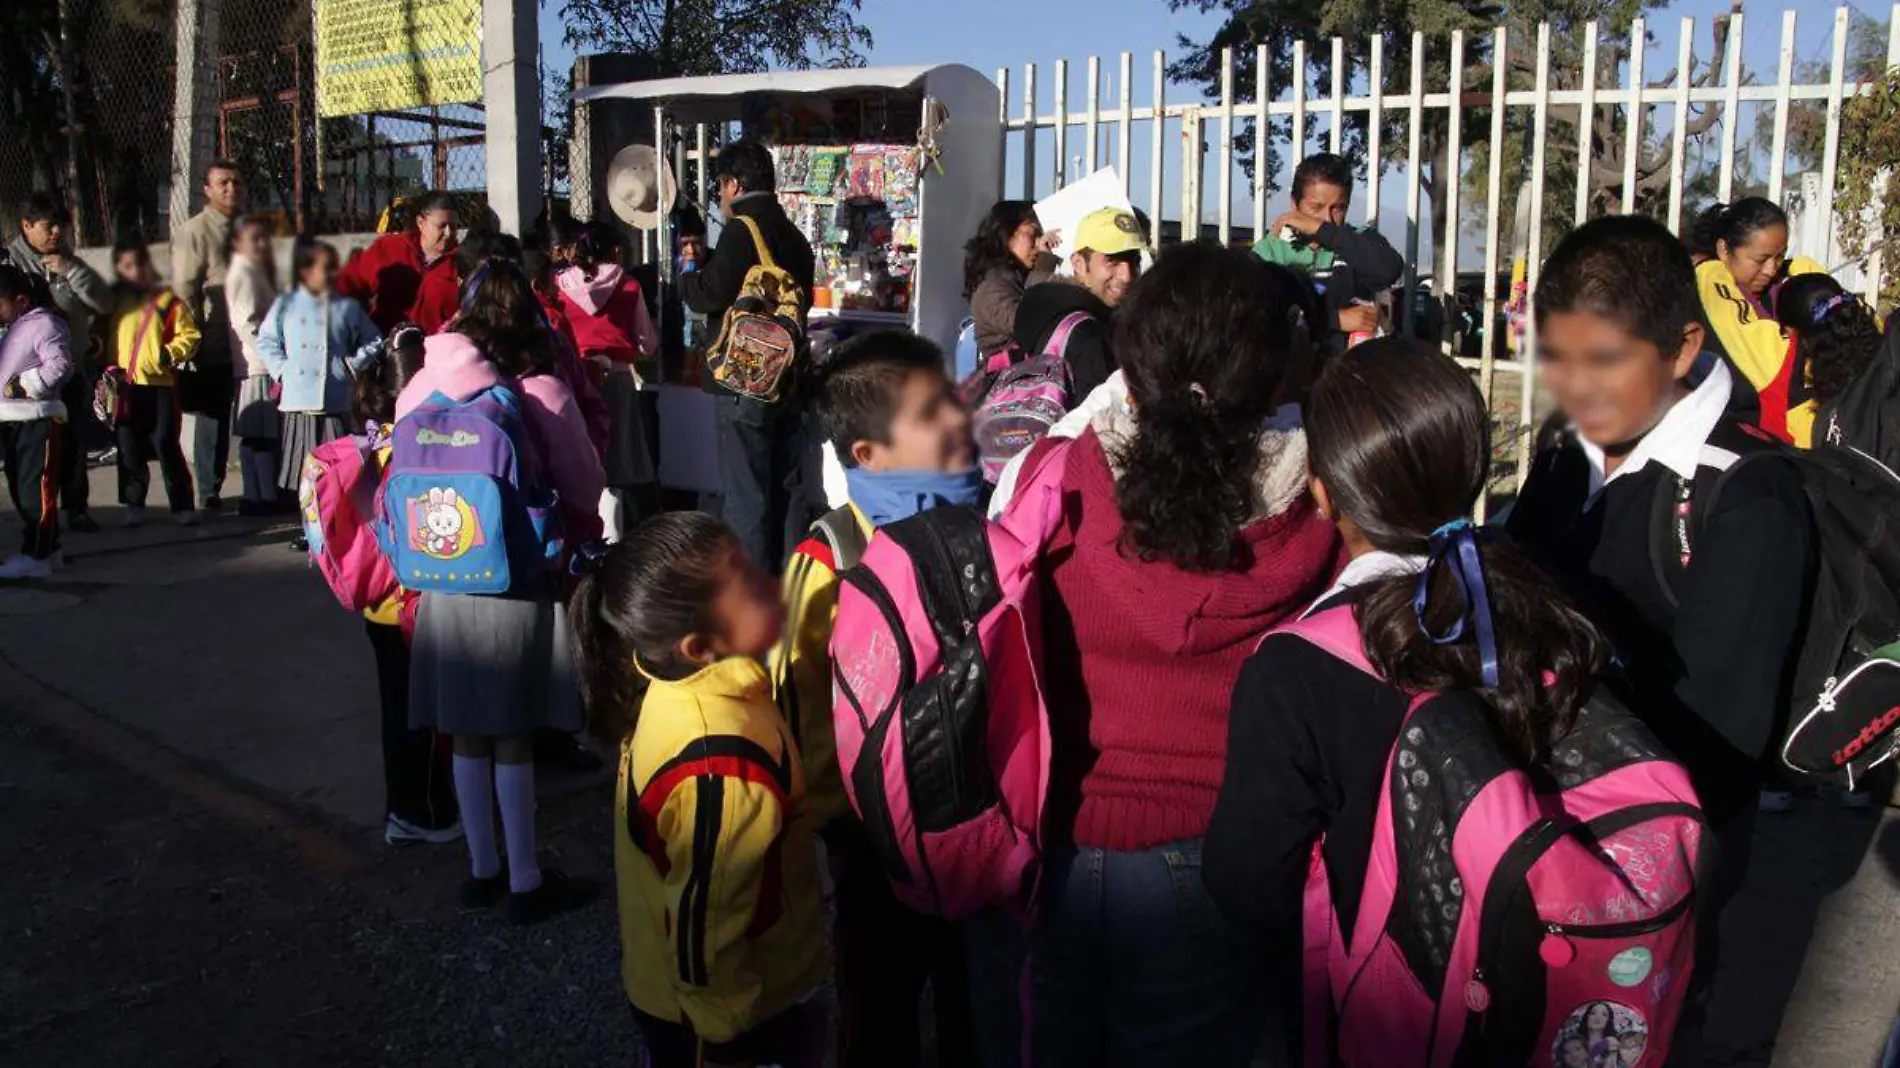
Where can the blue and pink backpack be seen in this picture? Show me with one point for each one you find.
(337, 500)
(1511, 915)
(1015, 398)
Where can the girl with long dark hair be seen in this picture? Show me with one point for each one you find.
(1008, 253)
(1837, 342)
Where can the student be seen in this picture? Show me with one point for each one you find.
(491, 670)
(35, 361)
(1321, 241)
(150, 335)
(891, 413)
(418, 791)
(250, 289)
(721, 943)
(1188, 535)
(608, 315)
(312, 341)
(1737, 284)
(1399, 449)
(1709, 655)
(1008, 254)
(1109, 247)
(1837, 340)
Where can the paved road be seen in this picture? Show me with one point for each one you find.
(188, 777)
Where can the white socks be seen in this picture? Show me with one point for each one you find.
(610, 513)
(514, 789)
(475, 793)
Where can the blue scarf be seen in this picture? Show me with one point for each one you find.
(888, 496)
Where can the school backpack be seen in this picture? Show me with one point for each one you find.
(337, 498)
(1020, 397)
(1844, 712)
(1866, 415)
(759, 342)
(463, 509)
(943, 735)
(1508, 912)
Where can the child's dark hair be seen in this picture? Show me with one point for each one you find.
(1400, 438)
(636, 602)
(305, 251)
(1628, 269)
(1734, 223)
(1325, 168)
(599, 245)
(501, 313)
(861, 383)
(376, 387)
(15, 283)
(1206, 341)
(1836, 335)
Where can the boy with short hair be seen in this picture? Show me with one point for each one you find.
(1321, 241)
(890, 411)
(1704, 599)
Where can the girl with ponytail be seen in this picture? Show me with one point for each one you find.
(713, 854)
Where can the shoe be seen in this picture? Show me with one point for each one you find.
(400, 832)
(28, 568)
(134, 517)
(1853, 800)
(557, 893)
(255, 509)
(187, 519)
(300, 544)
(103, 458)
(562, 750)
(1775, 801)
(214, 504)
(476, 895)
(82, 523)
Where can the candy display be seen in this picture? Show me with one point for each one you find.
(859, 207)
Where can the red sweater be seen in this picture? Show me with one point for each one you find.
(390, 278)
(1141, 659)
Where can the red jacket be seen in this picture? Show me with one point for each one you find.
(392, 280)
(1141, 657)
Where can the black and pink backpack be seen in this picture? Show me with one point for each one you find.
(1527, 916)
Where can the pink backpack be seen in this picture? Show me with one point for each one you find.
(1510, 915)
(943, 736)
(1023, 397)
(337, 496)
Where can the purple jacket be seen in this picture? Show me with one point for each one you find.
(37, 350)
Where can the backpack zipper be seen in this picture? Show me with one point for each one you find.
(1626, 929)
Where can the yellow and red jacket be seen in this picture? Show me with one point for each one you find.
(720, 916)
(151, 334)
(1760, 349)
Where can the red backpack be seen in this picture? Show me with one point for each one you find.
(337, 497)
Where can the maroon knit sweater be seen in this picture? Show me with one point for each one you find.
(1141, 658)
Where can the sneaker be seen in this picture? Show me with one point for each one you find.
(300, 544)
(399, 832)
(82, 523)
(103, 458)
(1775, 801)
(187, 519)
(476, 895)
(134, 517)
(214, 504)
(28, 568)
(557, 893)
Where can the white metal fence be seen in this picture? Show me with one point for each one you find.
(1666, 115)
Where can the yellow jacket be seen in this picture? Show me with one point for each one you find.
(1757, 346)
(720, 919)
(151, 334)
(801, 670)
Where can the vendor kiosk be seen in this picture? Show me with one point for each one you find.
(888, 171)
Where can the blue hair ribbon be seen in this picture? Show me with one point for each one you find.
(1828, 304)
(1455, 545)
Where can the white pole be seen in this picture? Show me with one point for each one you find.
(1732, 110)
(1226, 157)
(1831, 148)
(1375, 130)
(1454, 136)
(1528, 358)
(1784, 79)
(1633, 132)
(1487, 358)
(1415, 130)
(1586, 116)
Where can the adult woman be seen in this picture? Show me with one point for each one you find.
(1009, 254)
(250, 288)
(1737, 284)
(1189, 534)
(409, 275)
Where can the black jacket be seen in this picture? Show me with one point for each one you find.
(1089, 354)
(1376, 265)
(711, 289)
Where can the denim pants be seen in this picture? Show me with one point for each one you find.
(760, 476)
(1131, 966)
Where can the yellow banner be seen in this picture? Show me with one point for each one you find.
(381, 55)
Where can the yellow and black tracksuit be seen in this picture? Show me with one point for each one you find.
(718, 882)
(150, 334)
(1760, 350)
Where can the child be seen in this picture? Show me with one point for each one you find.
(614, 334)
(312, 342)
(250, 290)
(35, 361)
(418, 798)
(1708, 631)
(718, 886)
(491, 670)
(1837, 339)
(151, 334)
(1399, 449)
(891, 413)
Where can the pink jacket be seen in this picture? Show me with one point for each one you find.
(608, 314)
(455, 367)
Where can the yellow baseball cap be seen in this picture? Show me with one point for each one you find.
(1109, 231)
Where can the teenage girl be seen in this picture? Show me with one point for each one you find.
(1398, 440)
(1837, 339)
(719, 897)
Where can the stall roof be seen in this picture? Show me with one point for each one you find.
(729, 86)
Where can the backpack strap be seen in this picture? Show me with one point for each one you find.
(1058, 344)
(1336, 632)
(1680, 510)
(841, 531)
(758, 241)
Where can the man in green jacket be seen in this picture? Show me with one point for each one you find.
(1314, 239)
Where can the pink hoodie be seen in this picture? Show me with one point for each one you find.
(608, 313)
(455, 367)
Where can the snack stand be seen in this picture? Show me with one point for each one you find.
(888, 171)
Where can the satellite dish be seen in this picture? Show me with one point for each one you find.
(639, 182)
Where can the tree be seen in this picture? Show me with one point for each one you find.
(693, 37)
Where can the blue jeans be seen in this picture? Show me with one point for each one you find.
(760, 477)
(1132, 966)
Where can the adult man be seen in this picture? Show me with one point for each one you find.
(409, 276)
(201, 252)
(1358, 264)
(1108, 246)
(759, 444)
(40, 248)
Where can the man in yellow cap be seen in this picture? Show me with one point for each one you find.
(1073, 313)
